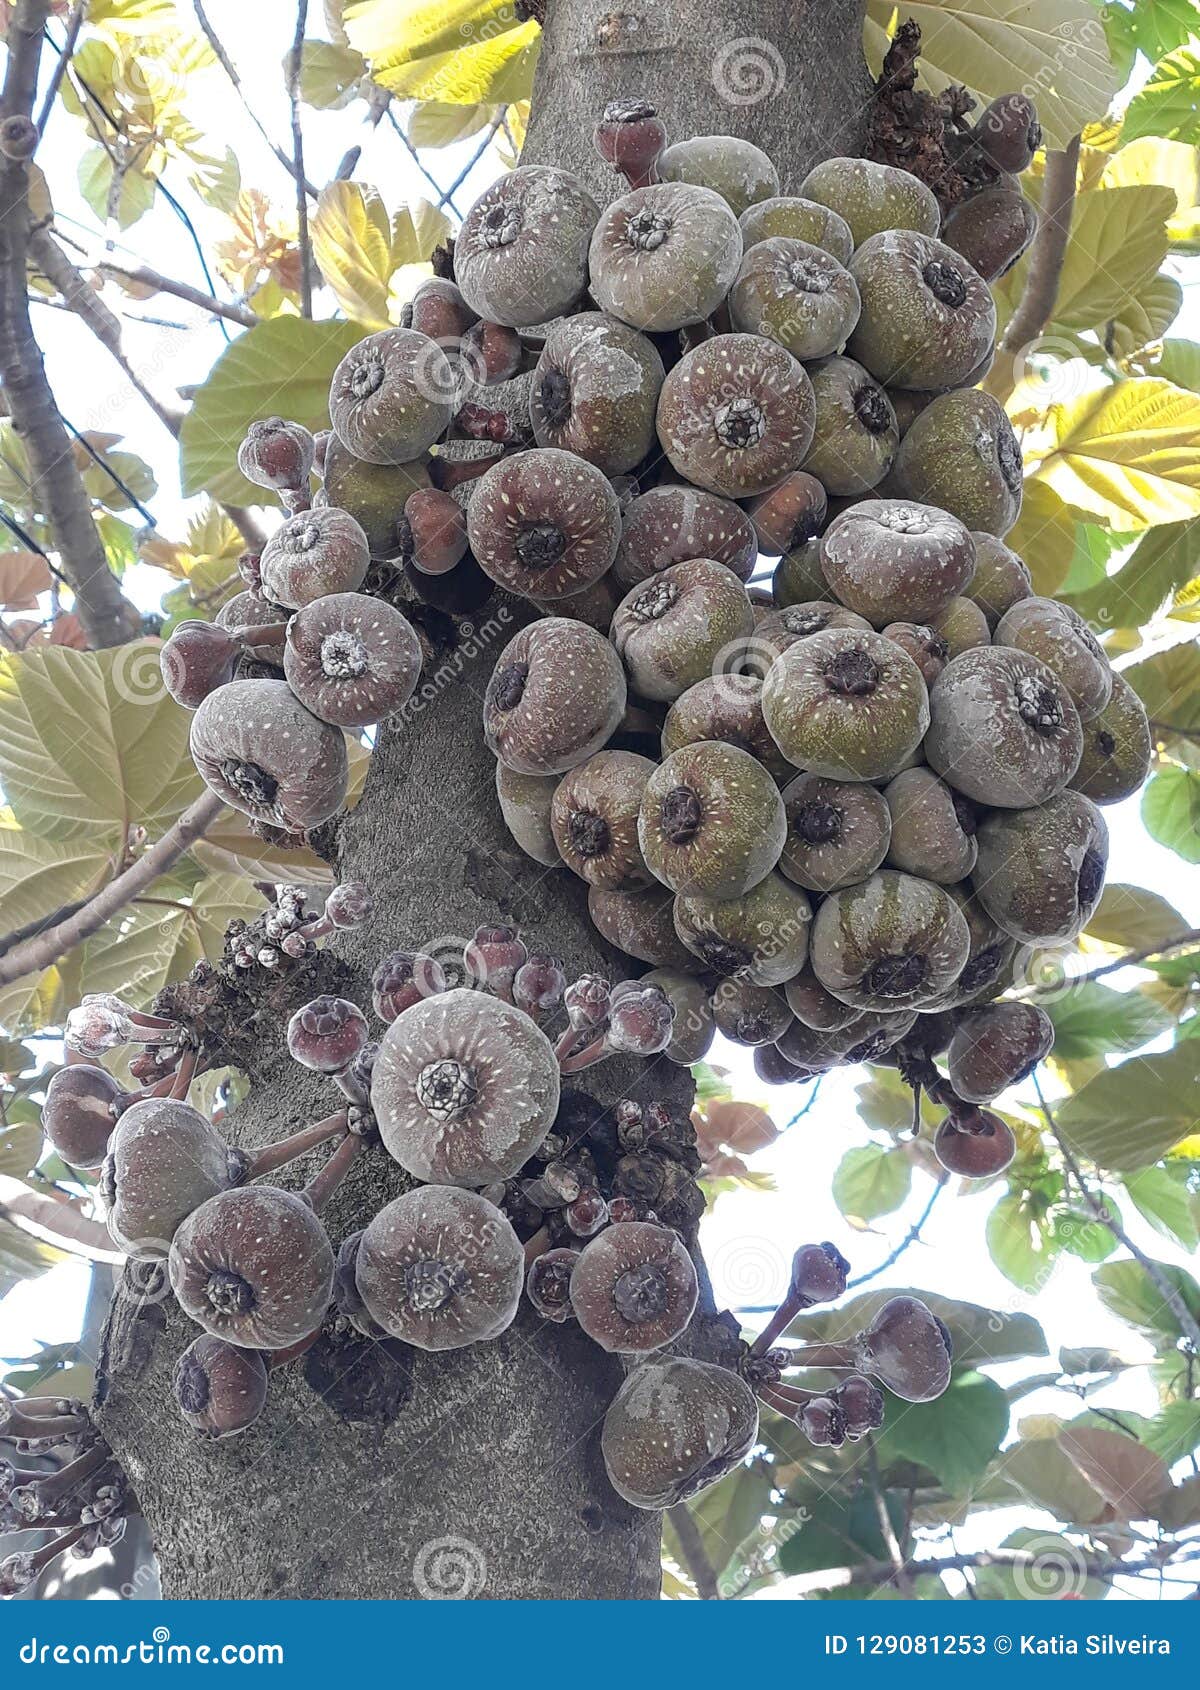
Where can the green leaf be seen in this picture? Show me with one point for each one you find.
(1080, 1233)
(39, 876)
(1128, 455)
(91, 743)
(1020, 1243)
(432, 124)
(329, 74)
(838, 1532)
(458, 52)
(1181, 1506)
(978, 1334)
(1179, 362)
(1126, 1290)
(871, 1181)
(1174, 1432)
(1162, 1197)
(1055, 48)
(1118, 241)
(1163, 561)
(711, 1085)
(1093, 1020)
(1143, 320)
(1171, 811)
(20, 1147)
(1168, 684)
(955, 1436)
(1168, 103)
(352, 244)
(1130, 918)
(134, 199)
(278, 368)
(1129, 1116)
(1155, 27)
(726, 1513)
(418, 230)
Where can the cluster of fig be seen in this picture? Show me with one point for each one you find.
(825, 816)
(289, 930)
(464, 1088)
(77, 1506)
(301, 657)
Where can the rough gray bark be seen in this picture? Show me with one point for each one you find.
(489, 1480)
(786, 74)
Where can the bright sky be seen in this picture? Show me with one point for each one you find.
(750, 1237)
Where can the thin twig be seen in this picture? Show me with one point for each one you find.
(293, 90)
(695, 1555)
(445, 196)
(144, 276)
(230, 69)
(104, 611)
(886, 1529)
(74, 24)
(910, 1237)
(98, 459)
(1131, 959)
(1170, 1296)
(41, 951)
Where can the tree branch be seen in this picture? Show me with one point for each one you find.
(230, 69)
(56, 1220)
(1170, 1296)
(72, 284)
(293, 90)
(74, 24)
(1130, 959)
(103, 609)
(695, 1555)
(46, 948)
(144, 276)
(1092, 1566)
(1036, 305)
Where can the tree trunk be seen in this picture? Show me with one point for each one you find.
(478, 1472)
(788, 75)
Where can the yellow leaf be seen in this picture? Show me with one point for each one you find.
(458, 52)
(1044, 536)
(1169, 164)
(433, 124)
(1128, 456)
(1118, 240)
(352, 244)
(1056, 49)
(329, 74)
(416, 231)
